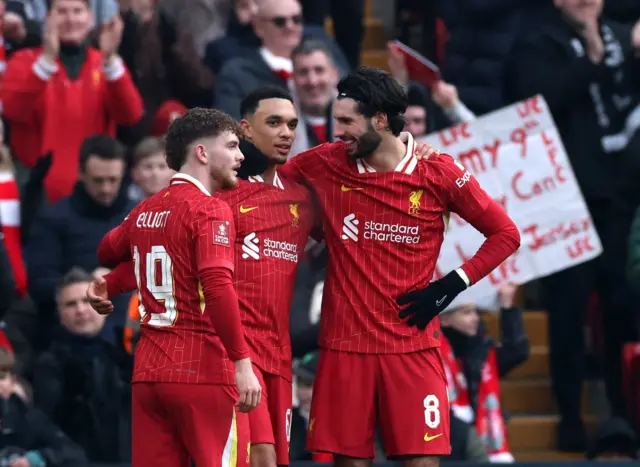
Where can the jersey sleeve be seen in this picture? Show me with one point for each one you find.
(121, 280)
(214, 233)
(304, 167)
(115, 246)
(463, 195)
(214, 236)
(459, 189)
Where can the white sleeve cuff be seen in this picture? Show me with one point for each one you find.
(114, 70)
(43, 69)
(463, 276)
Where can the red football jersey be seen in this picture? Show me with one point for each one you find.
(384, 232)
(273, 222)
(173, 235)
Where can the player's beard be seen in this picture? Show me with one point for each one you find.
(225, 179)
(367, 143)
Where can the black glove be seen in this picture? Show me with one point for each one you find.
(425, 304)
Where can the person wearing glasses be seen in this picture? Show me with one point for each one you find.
(279, 27)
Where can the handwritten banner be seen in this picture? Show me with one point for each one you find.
(518, 157)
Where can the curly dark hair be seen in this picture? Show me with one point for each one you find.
(376, 91)
(196, 124)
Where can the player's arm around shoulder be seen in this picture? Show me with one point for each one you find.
(307, 165)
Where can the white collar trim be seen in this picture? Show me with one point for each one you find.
(407, 164)
(276, 180)
(181, 178)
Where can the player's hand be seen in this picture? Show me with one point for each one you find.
(248, 386)
(425, 304)
(422, 150)
(98, 296)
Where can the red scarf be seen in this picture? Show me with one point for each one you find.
(10, 226)
(489, 421)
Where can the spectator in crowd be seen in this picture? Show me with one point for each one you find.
(10, 218)
(442, 97)
(204, 20)
(590, 85)
(81, 382)
(622, 11)
(132, 325)
(614, 440)
(418, 119)
(16, 308)
(7, 282)
(315, 78)
(348, 23)
(304, 319)
(305, 373)
(25, 19)
(242, 39)
(633, 261)
(474, 364)
(279, 25)
(163, 62)
(239, 39)
(19, 27)
(57, 95)
(29, 438)
(481, 37)
(67, 233)
(165, 115)
(149, 170)
(466, 445)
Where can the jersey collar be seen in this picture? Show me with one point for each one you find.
(407, 164)
(276, 180)
(180, 178)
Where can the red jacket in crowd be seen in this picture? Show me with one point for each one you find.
(50, 112)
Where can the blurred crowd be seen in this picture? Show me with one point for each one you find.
(88, 88)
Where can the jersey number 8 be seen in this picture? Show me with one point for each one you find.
(159, 283)
(431, 411)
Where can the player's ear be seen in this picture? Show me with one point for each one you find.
(201, 154)
(380, 121)
(246, 129)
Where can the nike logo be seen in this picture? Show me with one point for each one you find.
(441, 301)
(346, 188)
(244, 210)
(428, 438)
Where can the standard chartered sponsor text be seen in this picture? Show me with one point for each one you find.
(280, 250)
(394, 233)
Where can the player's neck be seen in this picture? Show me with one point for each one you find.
(269, 174)
(388, 155)
(207, 182)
